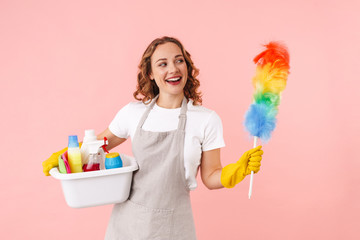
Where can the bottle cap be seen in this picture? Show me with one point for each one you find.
(90, 135)
(112, 155)
(73, 141)
(113, 160)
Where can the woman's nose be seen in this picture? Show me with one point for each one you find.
(173, 68)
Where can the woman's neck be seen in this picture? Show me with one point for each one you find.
(170, 101)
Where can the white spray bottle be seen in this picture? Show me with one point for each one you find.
(91, 152)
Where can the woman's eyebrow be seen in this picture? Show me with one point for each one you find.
(179, 55)
(160, 59)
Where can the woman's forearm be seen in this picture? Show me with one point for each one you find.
(113, 140)
(213, 181)
(211, 169)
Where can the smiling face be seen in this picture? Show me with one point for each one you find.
(168, 69)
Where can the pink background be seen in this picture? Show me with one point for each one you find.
(66, 66)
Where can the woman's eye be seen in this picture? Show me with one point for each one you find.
(162, 64)
(180, 60)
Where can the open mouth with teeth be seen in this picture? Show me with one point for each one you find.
(174, 80)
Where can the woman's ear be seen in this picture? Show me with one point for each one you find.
(151, 77)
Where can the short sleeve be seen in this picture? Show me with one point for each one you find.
(119, 125)
(213, 133)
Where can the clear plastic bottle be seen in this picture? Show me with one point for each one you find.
(89, 137)
(93, 163)
(74, 155)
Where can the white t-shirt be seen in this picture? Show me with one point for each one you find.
(203, 130)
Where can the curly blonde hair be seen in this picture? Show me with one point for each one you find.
(148, 89)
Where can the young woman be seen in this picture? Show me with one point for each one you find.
(172, 136)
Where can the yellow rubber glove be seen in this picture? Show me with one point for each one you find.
(234, 173)
(53, 161)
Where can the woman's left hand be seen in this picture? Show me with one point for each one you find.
(234, 173)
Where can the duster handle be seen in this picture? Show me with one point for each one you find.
(252, 172)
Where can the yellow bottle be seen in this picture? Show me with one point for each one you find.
(74, 155)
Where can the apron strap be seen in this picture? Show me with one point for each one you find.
(182, 116)
(147, 111)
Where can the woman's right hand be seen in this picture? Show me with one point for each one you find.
(52, 161)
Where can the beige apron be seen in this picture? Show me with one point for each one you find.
(159, 205)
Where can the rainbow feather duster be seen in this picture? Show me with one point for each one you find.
(269, 81)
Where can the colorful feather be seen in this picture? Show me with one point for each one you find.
(269, 81)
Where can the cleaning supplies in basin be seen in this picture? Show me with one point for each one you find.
(91, 151)
(74, 155)
(63, 163)
(89, 189)
(62, 168)
(113, 160)
(89, 137)
(93, 163)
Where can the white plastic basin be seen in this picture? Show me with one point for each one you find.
(89, 189)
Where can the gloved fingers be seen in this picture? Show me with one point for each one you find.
(248, 153)
(257, 153)
(47, 168)
(250, 169)
(255, 159)
(50, 163)
(251, 151)
(254, 164)
(46, 171)
(44, 163)
(255, 169)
